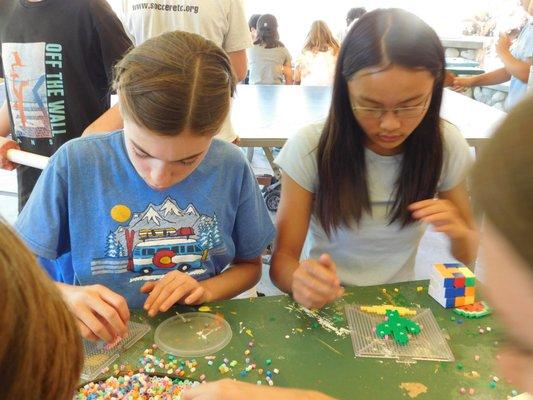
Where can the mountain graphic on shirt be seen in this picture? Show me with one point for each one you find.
(159, 226)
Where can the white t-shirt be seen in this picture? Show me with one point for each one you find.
(222, 21)
(316, 68)
(375, 252)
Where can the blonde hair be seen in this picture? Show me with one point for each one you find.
(320, 38)
(40, 352)
(502, 179)
(176, 81)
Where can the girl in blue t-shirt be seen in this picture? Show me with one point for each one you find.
(360, 187)
(160, 213)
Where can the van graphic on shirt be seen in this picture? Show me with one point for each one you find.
(160, 239)
(169, 253)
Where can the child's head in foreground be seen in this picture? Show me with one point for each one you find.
(503, 185)
(40, 347)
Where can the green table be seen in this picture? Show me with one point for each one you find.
(308, 356)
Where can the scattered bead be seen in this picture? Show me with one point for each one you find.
(495, 379)
(462, 390)
(268, 362)
(471, 391)
(476, 357)
(223, 368)
(460, 366)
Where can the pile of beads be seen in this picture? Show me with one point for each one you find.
(136, 387)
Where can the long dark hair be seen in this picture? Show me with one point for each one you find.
(267, 32)
(396, 37)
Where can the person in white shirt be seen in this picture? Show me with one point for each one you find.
(223, 22)
(360, 188)
(316, 65)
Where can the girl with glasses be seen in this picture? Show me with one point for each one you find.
(361, 187)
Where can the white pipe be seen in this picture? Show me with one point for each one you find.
(25, 158)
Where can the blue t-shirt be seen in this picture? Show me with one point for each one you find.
(523, 50)
(100, 223)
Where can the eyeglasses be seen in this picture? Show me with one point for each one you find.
(400, 112)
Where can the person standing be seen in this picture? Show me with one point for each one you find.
(223, 22)
(270, 61)
(517, 60)
(57, 79)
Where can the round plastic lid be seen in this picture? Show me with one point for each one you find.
(199, 335)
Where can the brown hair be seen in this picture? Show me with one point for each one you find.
(502, 179)
(40, 352)
(267, 32)
(343, 195)
(320, 38)
(176, 81)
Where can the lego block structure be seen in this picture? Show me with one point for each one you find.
(452, 285)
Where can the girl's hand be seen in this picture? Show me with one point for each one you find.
(222, 390)
(227, 389)
(101, 313)
(460, 83)
(503, 44)
(5, 145)
(174, 287)
(315, 282)
(443, 215)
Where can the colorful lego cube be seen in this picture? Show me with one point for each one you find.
(452, 285)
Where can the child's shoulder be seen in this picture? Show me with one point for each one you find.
(228, 153)
(91, 146)
(311, 133)
(97, 140)
(305, 140)
(451, 136)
